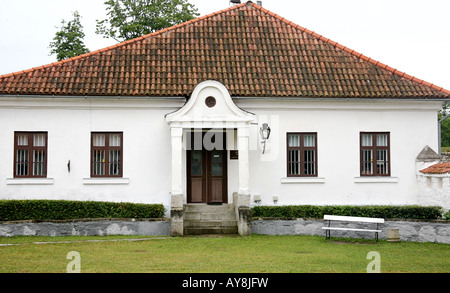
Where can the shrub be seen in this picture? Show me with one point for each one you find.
(11, 210)
(447, 215)
(387, 212)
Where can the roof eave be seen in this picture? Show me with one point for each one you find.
(434, 99)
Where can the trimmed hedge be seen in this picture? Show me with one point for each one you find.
(447, 215)
(387, 212)
(13, 210)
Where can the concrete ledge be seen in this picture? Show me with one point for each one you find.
(293, 180)
(437, 231)
(29, 181)
(106, 181)
(176, 222)
(244, 221)
(375, 179)
(86, 227)
(414, 230)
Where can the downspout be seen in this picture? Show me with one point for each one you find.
(439, 133)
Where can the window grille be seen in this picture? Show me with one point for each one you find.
(30, 154)
(375, 153)
(106, 154)
(302, 154)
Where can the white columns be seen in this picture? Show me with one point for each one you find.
(176, 198)
(177, 153)
(243, 143)
(242, 200)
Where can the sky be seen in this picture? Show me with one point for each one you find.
(410, 35)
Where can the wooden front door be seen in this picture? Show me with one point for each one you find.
(207, 172)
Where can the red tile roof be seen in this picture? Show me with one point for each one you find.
(249, 49)
(439, 168)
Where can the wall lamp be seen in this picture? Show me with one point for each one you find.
(264, 131)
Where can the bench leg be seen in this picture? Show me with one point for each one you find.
(376, 235)
(327, 232)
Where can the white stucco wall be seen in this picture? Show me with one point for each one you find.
(412, 125)
(69, 123)
(147, 151)
(434, 190)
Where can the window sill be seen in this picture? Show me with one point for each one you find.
(376, 179)
(106, 181)
(29, 181)
(289, 180)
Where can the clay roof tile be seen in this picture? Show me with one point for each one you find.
(439, 168)
(252, 50)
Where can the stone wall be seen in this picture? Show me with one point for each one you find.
(86, 228)
(419, 231)
(445, 157)
(433, 189)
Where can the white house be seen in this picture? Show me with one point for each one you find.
(180, 116)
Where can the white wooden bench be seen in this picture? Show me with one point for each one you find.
(330, 218)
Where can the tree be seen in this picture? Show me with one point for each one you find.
(445, 125)
(68, 41)
(445, 133)
(129, 19)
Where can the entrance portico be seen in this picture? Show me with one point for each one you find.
(210, 109)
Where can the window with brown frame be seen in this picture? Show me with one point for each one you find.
(30, 154)
(375, 154)
(106, 154)
(302, 154)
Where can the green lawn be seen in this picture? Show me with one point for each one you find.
(254, 254)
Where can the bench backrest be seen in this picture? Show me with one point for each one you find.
(353, 219)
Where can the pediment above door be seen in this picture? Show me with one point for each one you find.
(210, 105)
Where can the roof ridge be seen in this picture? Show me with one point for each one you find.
(353, 52)
(124, 43)
(25, 80)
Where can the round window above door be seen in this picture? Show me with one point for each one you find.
(210, 101)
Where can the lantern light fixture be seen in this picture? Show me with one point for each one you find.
(264, 131)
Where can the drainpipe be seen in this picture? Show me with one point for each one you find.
(439, 134)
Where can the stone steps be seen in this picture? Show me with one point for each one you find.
(202, 219)
(207, 231)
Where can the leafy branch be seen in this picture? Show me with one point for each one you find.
(129, 19)
(68, 41)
